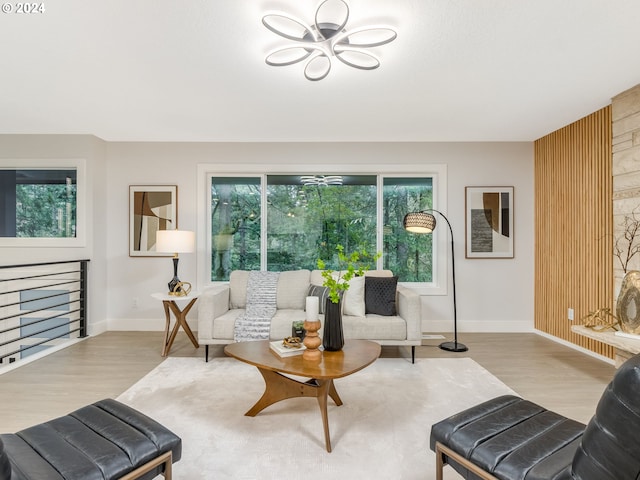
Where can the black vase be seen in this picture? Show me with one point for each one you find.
(333, 338)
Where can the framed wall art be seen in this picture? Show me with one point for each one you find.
(489, 222)
(151, 208)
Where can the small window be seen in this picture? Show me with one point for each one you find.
(38, 203)
(41, 203)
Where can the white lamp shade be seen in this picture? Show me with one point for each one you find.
(175, 241)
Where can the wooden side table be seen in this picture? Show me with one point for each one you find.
(170, 304)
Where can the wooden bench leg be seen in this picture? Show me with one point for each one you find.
(439, 462)
(442, 451)
(150, 465)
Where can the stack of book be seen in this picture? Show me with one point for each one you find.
(283, 351)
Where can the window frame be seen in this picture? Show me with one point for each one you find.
(81, 201)
(438, 172)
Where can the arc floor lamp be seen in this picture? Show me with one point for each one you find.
(425, 222)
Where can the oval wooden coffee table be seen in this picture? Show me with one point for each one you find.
(356, 355)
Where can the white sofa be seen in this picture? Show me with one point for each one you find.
(219, 306)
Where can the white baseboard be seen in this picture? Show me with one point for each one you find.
(478, 326)
(97, 328)
(575, 347)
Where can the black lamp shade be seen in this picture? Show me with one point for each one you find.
(419, 222)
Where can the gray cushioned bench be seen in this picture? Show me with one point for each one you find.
(508, 438)
(103, 441)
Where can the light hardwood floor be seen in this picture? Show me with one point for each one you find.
(539, 369)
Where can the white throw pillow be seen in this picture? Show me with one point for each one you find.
(354, 298)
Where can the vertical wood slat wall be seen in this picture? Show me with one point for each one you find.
(574, 227)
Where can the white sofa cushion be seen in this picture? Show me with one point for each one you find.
(238, 288)
(374, 327)
(224, 325)
(281, 322)
(292, 289)
(316, 277)
(371, 327)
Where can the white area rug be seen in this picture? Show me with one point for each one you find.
(381, 431)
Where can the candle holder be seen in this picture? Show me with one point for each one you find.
(312, 340)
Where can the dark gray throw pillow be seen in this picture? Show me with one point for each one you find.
(320, 292)
(380, 295)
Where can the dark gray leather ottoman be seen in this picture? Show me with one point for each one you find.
(509, 438)
(105, 440)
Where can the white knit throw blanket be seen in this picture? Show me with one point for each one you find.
(255, 323)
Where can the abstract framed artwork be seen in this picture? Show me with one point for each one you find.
(489, 222)
(151, 208)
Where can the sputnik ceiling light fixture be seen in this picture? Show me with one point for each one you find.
(321, 180)
(325, 39)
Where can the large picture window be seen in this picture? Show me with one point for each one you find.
(307, 222)
(287, 221)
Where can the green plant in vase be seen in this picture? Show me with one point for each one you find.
(349, 266)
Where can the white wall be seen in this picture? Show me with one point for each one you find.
(493, 294)
(93, 151)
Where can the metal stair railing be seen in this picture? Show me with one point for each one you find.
(41, 305)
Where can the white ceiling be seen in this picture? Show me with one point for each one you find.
(194, 70)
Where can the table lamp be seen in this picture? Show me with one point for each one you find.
(175, 241)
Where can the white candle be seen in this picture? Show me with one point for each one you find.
(313, 307)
